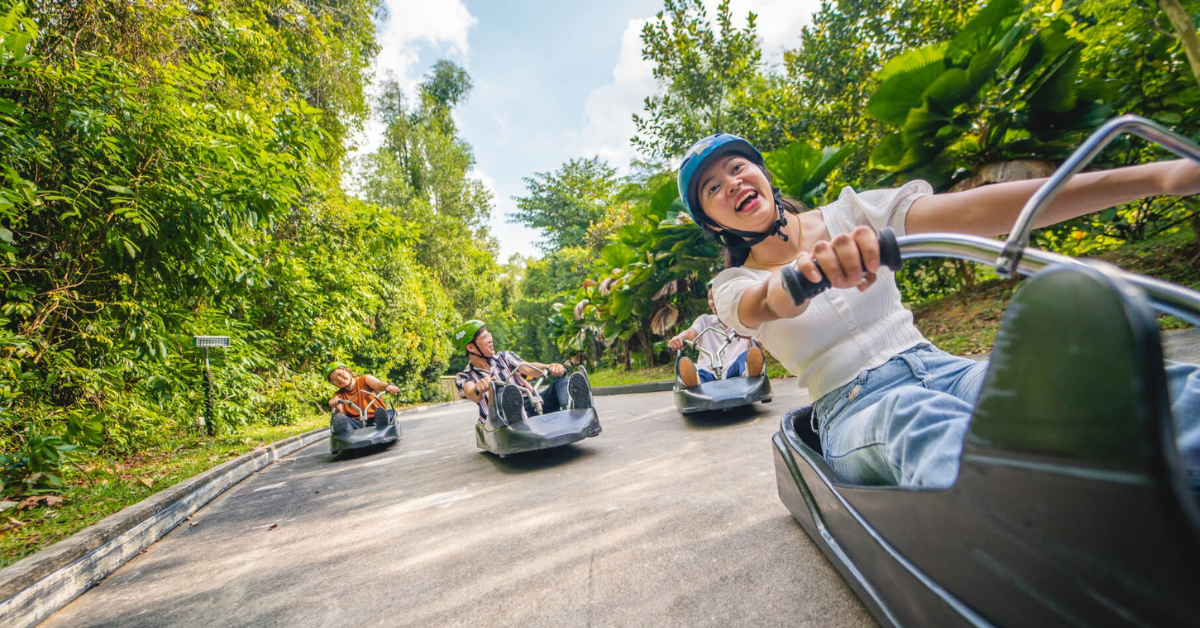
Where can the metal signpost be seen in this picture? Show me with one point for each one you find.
(205, 342)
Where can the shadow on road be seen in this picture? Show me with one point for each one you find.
(531, 461)
(355, 454)
(717, 419)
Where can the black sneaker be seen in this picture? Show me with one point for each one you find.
(339, 424)
(579, 391)
(512, 404)
(381, 418)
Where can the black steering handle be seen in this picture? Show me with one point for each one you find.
(801, 289)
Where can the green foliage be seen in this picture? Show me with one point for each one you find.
(421, 174)
(830, 77)
(33, 469)
(706, 73)
(172, 170)
(567, 203)
(1006, 86)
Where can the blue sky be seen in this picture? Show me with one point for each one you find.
(554, 80)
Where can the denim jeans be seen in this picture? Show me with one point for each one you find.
(903, 423)
(737, 369)
(554, 398)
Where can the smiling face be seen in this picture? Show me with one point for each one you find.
(735, 193)
(483, 343)
(341, 378)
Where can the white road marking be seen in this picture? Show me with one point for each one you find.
(269, 487)
(435, 500)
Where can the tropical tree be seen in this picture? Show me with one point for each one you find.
(702, 71)
(422, 173)
(567, 203)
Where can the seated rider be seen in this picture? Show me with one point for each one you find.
(357, 391)
(488, 373)
(740, 356)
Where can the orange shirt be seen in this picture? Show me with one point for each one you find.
(360, 394)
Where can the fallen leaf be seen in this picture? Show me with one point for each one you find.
(193, 524)
(16, 522)
(146, 481)
(273, 526)
(39, 500)
(5, 505)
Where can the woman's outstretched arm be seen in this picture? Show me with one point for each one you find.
(991, 210)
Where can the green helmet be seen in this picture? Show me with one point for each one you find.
(465, 334)
(331, 367)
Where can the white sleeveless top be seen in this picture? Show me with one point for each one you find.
(843, 332)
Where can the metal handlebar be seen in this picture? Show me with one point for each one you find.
(715, 359)
(1018, 240)
(801, 288)
(1164, 296)
(530, 390)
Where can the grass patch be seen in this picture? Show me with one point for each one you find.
(119, 482)
(965, 323)
(619, 377)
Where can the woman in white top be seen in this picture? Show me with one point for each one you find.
(890, 408)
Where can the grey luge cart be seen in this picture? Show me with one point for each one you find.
(1072, 506)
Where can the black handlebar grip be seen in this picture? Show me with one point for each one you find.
(801, 289)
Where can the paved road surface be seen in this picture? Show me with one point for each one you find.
(658, 521)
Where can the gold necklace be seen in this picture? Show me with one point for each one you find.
(756, 261)
(798, 233)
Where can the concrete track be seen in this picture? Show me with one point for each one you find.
(658, 521)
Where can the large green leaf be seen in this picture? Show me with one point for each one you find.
(889, 152)
(984, 30)
(792, 166)
(902, 91)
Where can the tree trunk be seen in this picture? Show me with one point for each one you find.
(1194, 221)
(647, 345)
(1186, 31)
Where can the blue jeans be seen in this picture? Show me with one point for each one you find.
(903, 423)
(737, 369)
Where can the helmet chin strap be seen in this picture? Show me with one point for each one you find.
(750, 238)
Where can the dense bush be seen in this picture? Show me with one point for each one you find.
(174, 169)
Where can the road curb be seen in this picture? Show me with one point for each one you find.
(627, 389)
(36, 586)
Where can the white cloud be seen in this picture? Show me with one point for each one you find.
(608, 111)
(413, 22)
(778, 24)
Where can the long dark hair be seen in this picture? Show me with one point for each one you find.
(735, 251)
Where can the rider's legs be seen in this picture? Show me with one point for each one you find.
(554, 398)
(339, 423)
(738, 368)
(1183, 386)
(901, 423)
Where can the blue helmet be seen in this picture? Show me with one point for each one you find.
(699, 156)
